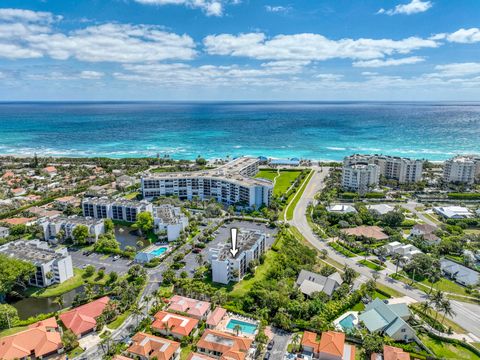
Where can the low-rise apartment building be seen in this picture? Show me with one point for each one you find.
(53, 226)
(53, 266)
(170, 219)
(462, 169)
(224, 346)
(119, 209)
(251, 244)
(230, 184)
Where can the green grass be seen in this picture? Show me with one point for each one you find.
(58, 289)
(443, 284)
(371, 265)
(12, 330)
(341, 249)
(185, 352)
(75, 352)
(432, 218)
(390, 291)
(283, 182)
(132, 195)
(115, 324)
(290, 208)
(446, 350)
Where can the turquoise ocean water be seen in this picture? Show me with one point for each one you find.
(314, 130)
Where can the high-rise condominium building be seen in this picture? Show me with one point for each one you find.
(462, 169)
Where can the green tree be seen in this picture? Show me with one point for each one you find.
(373, 343)
(144, 222)
(200, 161)
(69, 340)
(89, 270)
(59, 301)
(80, 234)
(8, 316)
(237, 329)
(393, 219)
(14, 272)
(109, 226)
(112, 277)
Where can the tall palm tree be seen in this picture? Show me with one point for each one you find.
(136, 312)
(295, 340)
(426, 306)
(397, 258)
(59, 301)
(237, 328)
(446, 307)
(437, 298)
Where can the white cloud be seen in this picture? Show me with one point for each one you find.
(465, 36)
(311, 47)
(210, 7)
(413, 7)
(457, 69)
(91, 75)
(389, 62)
(105, 42)
(277, 9)
(27, 15)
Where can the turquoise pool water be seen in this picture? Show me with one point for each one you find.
(247, 328)
(347, 322)
(159, 251)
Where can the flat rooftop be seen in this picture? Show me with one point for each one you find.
(34, 251)
(167, 214)
(120, 201)
(246, 238)
(230, 171)
(76, 220)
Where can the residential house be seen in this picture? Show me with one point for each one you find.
(453, 212)
(197, 356)
(310, 282)
(370, 232)
(194, 308)
(147, 346)
(390, 320)
(82, 320)
(391, 353)
(330, 346)
(459, 273)
(215, 317)
(381, 209)
(341, 209)
(40, 340)
(175, 325)
(427, 232)
(220, 345)
(50, 170)
(406, 251)
(18, 192)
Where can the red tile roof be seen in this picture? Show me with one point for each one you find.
(83, 318)
(216, 316)
(393, 353)
(121, 357)
(373, 232)
(174, 323)
(332, 343)
(197, 356)
(230, 346)
(311, 339)
(18, 221)
(50, 169)
(38, 339)
(192, 307)
(150, 346)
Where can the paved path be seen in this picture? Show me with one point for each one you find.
(411, 206)
(467, 315)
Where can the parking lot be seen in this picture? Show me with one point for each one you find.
(79, 260)
(223, 235)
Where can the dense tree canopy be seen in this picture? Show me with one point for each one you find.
(13, 272)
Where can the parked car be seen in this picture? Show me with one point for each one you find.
(116, 257)
(102, 268)
(267, 356)
(270, 345)
(197, 250)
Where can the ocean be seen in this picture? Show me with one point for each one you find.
(313, 130)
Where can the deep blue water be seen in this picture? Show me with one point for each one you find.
(314, 130)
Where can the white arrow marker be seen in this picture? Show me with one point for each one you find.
(233, 238)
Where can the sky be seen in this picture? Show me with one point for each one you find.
(388, 50)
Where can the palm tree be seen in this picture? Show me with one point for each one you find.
(375, 276)
(446, 307)
(237, 329)
(397, 258)
(147, 299)
(136, 312)
(199, 259)
(59, 301)
(426, 306)
(437, 298)
(295, 340)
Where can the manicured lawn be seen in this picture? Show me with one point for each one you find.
(447, 286)
(132, 195)
(283, 181)
(59, 289)
(75, 352)
(115, 324)
(371, 265)
(12, 331)
(446, 350)
(390, 291)
(185, 352)
(432, 217)
(341, 249)
(293, 203)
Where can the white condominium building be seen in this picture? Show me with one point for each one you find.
(170, 219)
(360, 177)
(230, 184)
(462, 169)
(404, 170)
(251, 244)
(52, 266)
(51, 227)
(119, 209)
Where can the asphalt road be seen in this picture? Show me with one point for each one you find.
(466, 315)
(281, 340)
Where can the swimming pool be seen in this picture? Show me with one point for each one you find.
(158, 251)
(347, 322)
(247, 328)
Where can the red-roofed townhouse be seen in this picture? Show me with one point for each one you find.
(82, 320)
(147, 346)
(175, 325)
(223, 346)
(215, 317)
(391, 353)
(197, 356)
(330, 347)
(50, 170)
(40, 340)
(194, 308)
(121, 357)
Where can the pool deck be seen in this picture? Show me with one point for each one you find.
(222, 326)
(152, 248)
(337, 324)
